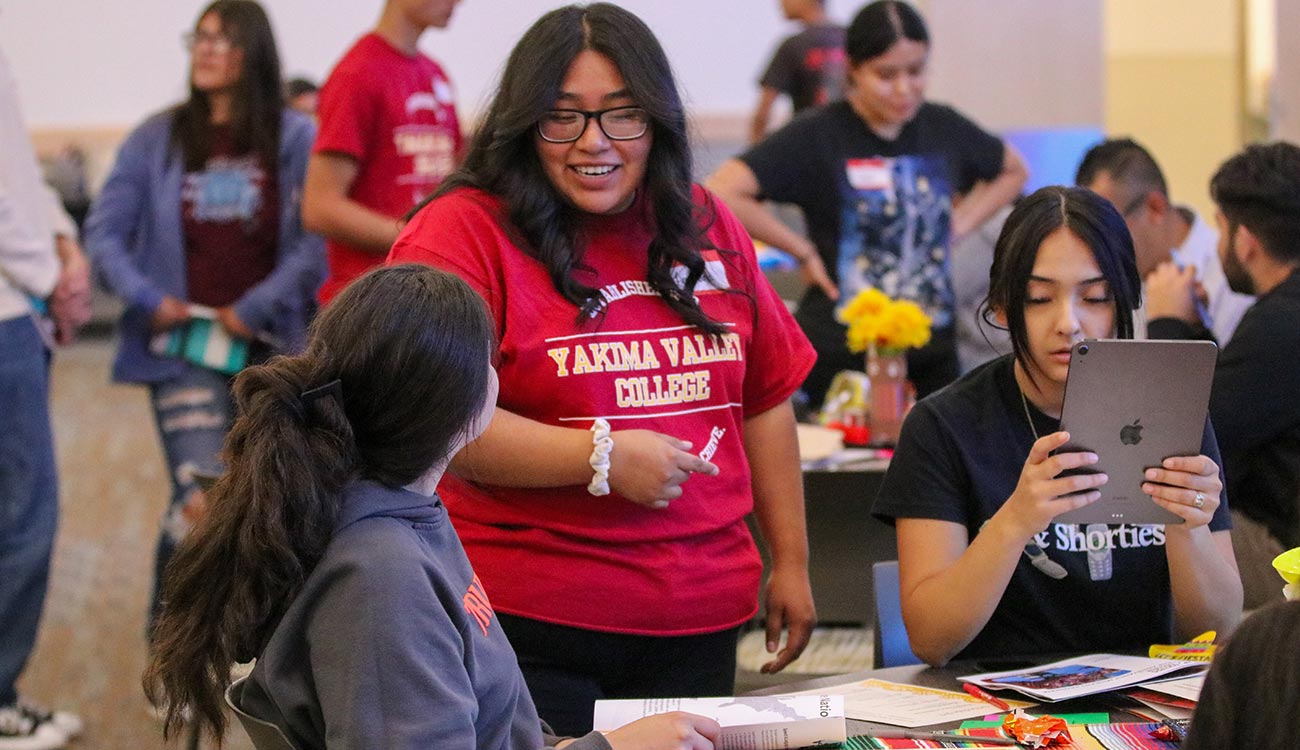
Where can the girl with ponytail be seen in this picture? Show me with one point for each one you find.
(327, 555)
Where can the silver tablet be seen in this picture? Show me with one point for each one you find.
(1134, 404)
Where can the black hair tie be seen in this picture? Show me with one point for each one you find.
(333, 388)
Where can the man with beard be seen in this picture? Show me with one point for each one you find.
(1254, 403)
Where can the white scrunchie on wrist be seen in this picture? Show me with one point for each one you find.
(602, 444)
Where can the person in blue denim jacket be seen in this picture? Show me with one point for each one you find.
(199, 219)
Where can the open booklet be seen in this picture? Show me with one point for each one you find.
(1082, 675)
(911, 706)
(772, 722)
(203, 341)
(1182, 686)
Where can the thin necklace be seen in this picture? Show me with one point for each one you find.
(1025, 403)
(1037, 557)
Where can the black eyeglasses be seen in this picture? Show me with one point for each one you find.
(617, 123)
(220, 43)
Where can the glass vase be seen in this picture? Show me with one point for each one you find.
(887, 370)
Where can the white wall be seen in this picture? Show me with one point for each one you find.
(1286, 84)
(1174, 83)
(107, 63)
(1018, 63)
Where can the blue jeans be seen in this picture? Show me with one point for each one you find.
(29, 495)
(193, 413)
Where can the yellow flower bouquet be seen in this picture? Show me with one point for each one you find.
(885, 328)
(888, 326)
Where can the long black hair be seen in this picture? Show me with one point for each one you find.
(1087, 216)
(256, 105)
(878, 26)
(410, 347)
(502, 157)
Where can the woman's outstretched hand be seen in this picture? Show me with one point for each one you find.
(170, 313)
(650, 467)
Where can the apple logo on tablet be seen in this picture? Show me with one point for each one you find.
(1131, 434)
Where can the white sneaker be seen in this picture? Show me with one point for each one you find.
(21, 730)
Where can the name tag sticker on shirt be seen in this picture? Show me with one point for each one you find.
(870, 174)
(714, 278)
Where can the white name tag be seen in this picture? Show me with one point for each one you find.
(870, 174)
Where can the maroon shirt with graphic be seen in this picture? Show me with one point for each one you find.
(229, 214)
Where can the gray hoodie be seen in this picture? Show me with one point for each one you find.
(392, 642)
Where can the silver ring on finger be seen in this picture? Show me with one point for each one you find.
(1199, 502)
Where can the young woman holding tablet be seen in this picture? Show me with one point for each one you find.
(974, 485)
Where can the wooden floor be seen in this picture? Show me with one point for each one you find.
(113, 489)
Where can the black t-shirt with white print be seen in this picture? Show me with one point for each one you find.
(879, 211)
(959, 458)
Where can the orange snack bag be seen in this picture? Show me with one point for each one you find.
(1036, 731)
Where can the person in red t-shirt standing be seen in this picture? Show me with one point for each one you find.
(388, 135)
(646, 368)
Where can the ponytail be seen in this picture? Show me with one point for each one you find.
(269, 519)
(396, 373)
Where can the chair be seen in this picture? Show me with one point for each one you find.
(892, 647)
(264, 734)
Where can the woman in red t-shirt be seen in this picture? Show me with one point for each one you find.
(646, 368)
(196, 226)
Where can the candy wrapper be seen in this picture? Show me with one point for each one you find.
(1036, 731)
(1172, 730)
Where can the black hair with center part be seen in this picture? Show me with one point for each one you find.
(503, 158)
(256, 101)
(879, 26)
(1088, 217)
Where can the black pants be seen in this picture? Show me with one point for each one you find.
(569, 669)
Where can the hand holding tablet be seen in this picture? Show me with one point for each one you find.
(1140, 407)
